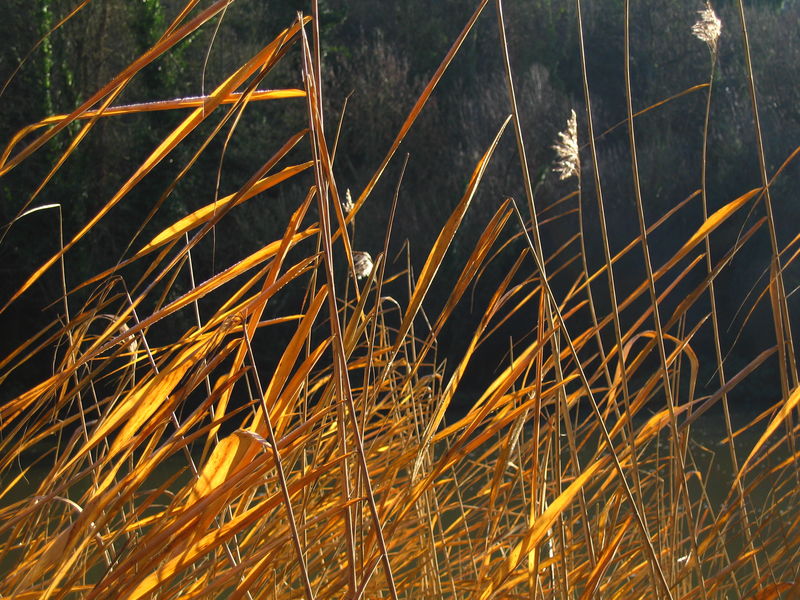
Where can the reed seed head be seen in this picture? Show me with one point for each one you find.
(708, 27)
(348, 204)
(568, 163)
(130, 341)
(362, 262)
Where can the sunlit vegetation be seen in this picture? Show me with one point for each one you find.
(284, 424)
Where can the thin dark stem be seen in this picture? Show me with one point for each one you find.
(615, 313)
(783, 329)
(676, 437)
(715, 324)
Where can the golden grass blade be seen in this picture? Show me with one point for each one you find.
(419, 104)
(790, 591)
(536, 533)
(786, 410)
(473, 264)
(230, 454)
(345, 473)
(140, 405)
(201, 215)
(710, 224)
(604, 561)
(155, 106)
(262, 60)
(290, 354)
(442, 243)
(165, 43)
(272, 283)
(206, 542)
(255, 259)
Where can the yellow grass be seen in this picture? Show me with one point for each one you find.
(338, 474)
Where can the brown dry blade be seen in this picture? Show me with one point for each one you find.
(773, 591)
(655, 424)
(286, 363)
(202, 215)
(263, 59)
(418, 106)
(791, 403)
(271, 284)
(249, 518)
(282, 406)
(438, 251)
(604, 561)
(328, 516)
(156, 106)
(681, 347)
(231, 273)
(141, 403)
(177, 536)
(250, 188)
(714, 220)
(731, 383)
(452, 386)
(231, 459)
(689, 90)
(148, 415)
(446, 235)
(159, 48)
(537, 532)
(633, 244)
(710, 224)
(358, 320)
(475, 261)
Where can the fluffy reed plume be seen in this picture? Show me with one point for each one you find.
(708, 27)
(362, 262)
(568, 158)
(348, 204)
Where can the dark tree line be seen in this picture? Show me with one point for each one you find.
(379, 56)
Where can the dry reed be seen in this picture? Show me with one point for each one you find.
(339, 473)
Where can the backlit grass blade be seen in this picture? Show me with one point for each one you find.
(535, 534)
(265, 59)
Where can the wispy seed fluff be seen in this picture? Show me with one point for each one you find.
(568, 163)
(362, 262)
(348, 205)
(708, 27)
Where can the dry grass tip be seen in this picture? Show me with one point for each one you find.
(362, 262)
(568, 163)
(708, 27)
(348, 204)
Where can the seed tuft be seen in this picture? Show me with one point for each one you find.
(348, 204)
(708, 27)
(362, 262)
(568, 163)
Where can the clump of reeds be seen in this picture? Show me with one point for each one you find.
(338, 472)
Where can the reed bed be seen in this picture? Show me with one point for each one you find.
(343, 472)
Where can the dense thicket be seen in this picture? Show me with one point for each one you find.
(227, 397)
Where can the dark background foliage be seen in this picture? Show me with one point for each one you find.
(379, 56)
